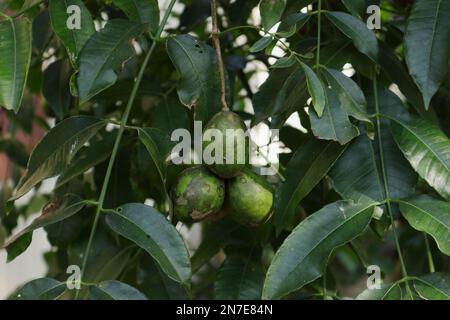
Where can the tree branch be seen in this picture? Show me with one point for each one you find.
(216, 42)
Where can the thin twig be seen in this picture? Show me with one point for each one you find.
(123, 124)
(216, 42)
(386, 187)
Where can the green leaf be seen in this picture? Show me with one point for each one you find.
(150, 230)
(15, 50)
(356, 7)
(427, 149)
(396, 71)
(143, 11)
(387, 291)
(334, 123)
(284, 62)
(103, 54)
(363, 38)
(433, 286)
(56, 210)
(155, 284)
(358, 175)
(106, 259)
(73, 38)
(56, 88)
(426, 45)
(40, 289)
(56, 150)
(316, 89)
(239, 278)
(375, 170)
(305, 169)
(350, 95)
(271, 12)
(292, 23)
(158, 145)
(431, 216)
(115, 290)
(170, 115)
(199, 86)
(219, 235)
(91, 156)
(304, 253)
(115, 261)
(41, 31)
(283, 90)
(261, 44)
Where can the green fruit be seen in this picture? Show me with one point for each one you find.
(249, 198)
(197, 194)
(238, 144)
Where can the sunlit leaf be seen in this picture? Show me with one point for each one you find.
(427, 150)
(431, 216)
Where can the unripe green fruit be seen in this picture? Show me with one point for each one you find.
(249, 198)
(237, 143)
(197, 194)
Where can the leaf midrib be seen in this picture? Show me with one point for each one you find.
(29, 175)
(180, 279)
(432, 286)
(72, 33)
(33, 224)
(423, 142)
(323, 238)
(388, 291)
(289, 203)
(433, 33)
(426, 212)
(347, 94)
(161, 175)
(13, 28)
(330, 118)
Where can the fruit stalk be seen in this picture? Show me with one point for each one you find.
(216, 43)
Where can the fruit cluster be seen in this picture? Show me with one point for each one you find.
(230, 188)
